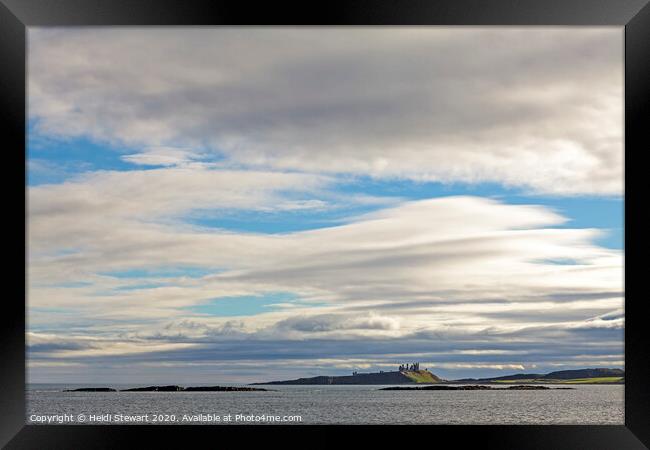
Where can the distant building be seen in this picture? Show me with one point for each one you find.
(409, 367)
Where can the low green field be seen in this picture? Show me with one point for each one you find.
(598, 380)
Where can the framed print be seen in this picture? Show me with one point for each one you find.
(374, 217)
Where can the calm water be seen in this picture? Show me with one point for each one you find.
(586, 404)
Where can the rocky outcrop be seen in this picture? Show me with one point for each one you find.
(101, 389)
(172, 388)
(222, 389)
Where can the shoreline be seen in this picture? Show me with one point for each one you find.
(415, 386)
(473, 387)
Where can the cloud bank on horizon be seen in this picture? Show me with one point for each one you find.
(233, 204)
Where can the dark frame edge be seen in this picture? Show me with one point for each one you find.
(637, 111)
(521, 437)
(333, 12)
(13, 22)
(12, 326)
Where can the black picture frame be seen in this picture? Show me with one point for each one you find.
(16, 15)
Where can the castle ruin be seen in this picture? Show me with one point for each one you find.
(409, 367)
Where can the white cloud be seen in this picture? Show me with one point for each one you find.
(331, 322)
(269, 121)
(537, 108)
(161, 156)
(454, 271)
(510, 367)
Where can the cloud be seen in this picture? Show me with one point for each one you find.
(330, 322)
(256, 358)
(136, 208)
(424, 278)
(538, 109)
(512, 367)
(262, 122)
(455, 247)
(162, 156)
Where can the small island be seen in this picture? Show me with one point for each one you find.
(102, 389)
(173, 388)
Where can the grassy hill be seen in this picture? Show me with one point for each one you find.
(422, 376)
(403, 377)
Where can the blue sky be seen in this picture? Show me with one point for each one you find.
(60, 160)
(325, 202)
(244, 305)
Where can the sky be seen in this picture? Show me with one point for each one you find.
(252, 204)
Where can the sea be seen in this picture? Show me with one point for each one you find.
(325, 404)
